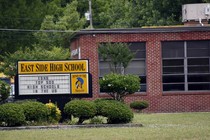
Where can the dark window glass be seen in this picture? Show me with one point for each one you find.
(174, 66)
(198, 65)
(143, 87)
(173, 70)
(172, 49)
(173, 87)
(104, 68)
(198, 61)
(143, 82)
(173, 62)
(143, 79)
(198, 69)
(173, 79)
(136, 67)
(197, 48)
(199, 86)
(138, 48)
(199, 78)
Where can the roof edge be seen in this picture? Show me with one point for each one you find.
(156, 29)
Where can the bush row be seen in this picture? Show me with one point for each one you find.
(28, 112)
(36, 113)
(114, 111)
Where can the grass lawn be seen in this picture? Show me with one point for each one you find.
(176, 126)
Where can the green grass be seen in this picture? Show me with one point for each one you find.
(177, 126)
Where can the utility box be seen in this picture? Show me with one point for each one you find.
(195, 12)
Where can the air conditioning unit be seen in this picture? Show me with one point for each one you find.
(195, 12)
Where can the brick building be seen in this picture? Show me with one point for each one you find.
(172, 62)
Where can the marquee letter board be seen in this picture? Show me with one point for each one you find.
(70, 78)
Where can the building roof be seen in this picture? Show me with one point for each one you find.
(161, 29)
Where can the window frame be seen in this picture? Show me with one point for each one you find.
(186, 73)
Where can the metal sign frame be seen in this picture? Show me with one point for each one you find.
(44, 79)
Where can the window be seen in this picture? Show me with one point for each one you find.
(173, 66)
(137, 66)
(186, 65)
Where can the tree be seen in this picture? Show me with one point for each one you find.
(118, 86)
(111, 14)
(63, 26)
(21, 18)
(9, 64)
(154, 13)
(4, 91)
(138, 13)
(22, 15)
(68, 16)
(117, 54)
(51, 40)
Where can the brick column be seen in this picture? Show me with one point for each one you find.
(153, 65)
(88, 48)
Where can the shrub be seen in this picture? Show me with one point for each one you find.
(81, 109)
(98, 120)
(118, 86)
(115, 111)
(139, 105)
(54, 113)
(4, 91)
(11, 114)
(72, 121)
(34, 111)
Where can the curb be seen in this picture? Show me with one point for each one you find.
(70, 126)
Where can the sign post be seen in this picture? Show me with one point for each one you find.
(70, 78)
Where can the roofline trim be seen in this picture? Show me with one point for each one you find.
(141, 30)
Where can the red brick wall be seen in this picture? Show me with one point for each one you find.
(159, 101)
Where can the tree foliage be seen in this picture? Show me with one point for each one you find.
(68, 16)
(138, 13)
(118, 86)
(19, 14)
(63, 25)
(9, 64)
(4, 91)
(24, 18)
(117, 54)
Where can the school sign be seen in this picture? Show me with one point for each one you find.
(46, 78)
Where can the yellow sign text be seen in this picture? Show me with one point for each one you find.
(71, 66)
